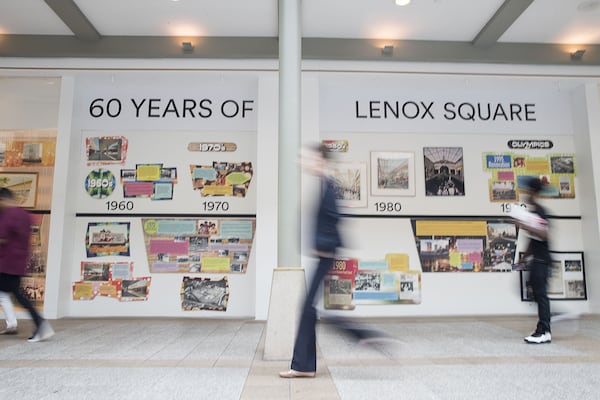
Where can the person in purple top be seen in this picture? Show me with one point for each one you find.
(15, 232)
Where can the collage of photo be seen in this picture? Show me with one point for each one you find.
(510, 171)
(355, 282)
(110, 279)
(222, 178)
(452, 245)
(216, 245)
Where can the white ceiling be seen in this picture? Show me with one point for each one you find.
(564, 22)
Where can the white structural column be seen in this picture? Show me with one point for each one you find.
(288, 285)
(290, 45)
(60, 239)
(586, 125)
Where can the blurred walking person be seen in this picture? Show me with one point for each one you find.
(327, 240)
(539, 260)
(15, 233)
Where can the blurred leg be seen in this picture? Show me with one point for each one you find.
(305, 348)
(9, 311)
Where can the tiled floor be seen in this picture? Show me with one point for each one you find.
(436, 359)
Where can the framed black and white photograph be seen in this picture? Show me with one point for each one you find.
(392, 173)
(204, 294)
(567, 280)
(351, 183)
(136, 289)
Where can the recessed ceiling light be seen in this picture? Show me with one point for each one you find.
(588, 5)
(402, 2)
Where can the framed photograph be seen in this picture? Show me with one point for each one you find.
(392, 173)
(502, 191)
(105, 150)
(444, 171)
(93, 271)
(23, 185)
(136, 289)
(567, 281)
(32, 153)
(351, 183)
(204, 294)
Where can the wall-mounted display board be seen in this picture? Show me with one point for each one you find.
(215, 245)
(510, 171)
(454, 245)
(351, 282)
(27, 168)
(165, 182)
(436, 175)
(27, 153)
(566, 280)
(150, 175)
(409, 155)
(167, 172)
(113, 279)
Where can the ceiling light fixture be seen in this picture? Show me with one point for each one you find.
(402, 2)
(187, 47)
(577, 55)
(387, 50)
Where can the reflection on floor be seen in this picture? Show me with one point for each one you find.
(435, 359)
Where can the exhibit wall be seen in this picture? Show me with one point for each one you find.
(164, 187)
(430, 169)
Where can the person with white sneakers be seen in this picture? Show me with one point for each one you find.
(15, 232)
(539, 264)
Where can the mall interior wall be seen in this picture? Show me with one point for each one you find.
(332, 92)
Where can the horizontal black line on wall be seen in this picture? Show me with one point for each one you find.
(39, 211)
(124, 215)
(451, 217)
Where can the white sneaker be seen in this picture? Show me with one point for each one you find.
(9, 330)
(538, 338)
(43, 332)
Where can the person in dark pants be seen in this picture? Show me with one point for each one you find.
(15, 232)
(539, 264)
(327, 240)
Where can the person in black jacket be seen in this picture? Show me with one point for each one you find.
(326, 241)
(539, 264)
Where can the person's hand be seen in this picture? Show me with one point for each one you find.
(324, 254)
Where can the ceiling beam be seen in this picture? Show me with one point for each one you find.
(506, 15)
(72, 16)
(446, 51)
(138, 47)
(252, 48)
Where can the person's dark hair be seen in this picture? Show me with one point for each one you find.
(6, 193)
(323, 151)
(534, 184)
